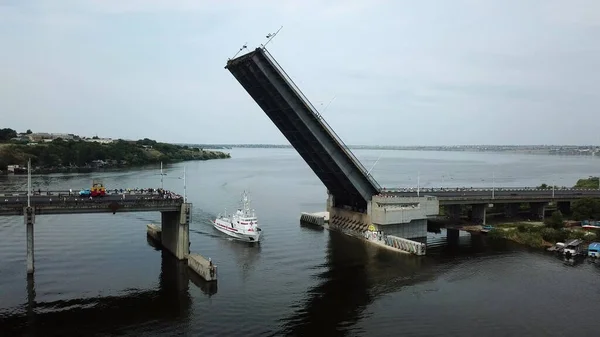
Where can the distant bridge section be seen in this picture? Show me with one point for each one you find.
(299, 121)
(470, 196)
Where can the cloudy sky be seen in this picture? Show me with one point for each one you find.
(399, 72)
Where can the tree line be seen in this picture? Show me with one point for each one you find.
(79, 153)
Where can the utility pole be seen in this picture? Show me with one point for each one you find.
(418, 183)
(493, 184)
(161, 176)
(184, 187)
(29, 183)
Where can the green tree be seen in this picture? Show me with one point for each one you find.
(555, 221)
(586, 208)
(590, 183)
(28, 131)
(6, 134)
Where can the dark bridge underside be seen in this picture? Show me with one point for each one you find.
(296, 118)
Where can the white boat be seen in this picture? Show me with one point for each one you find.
(242, 225)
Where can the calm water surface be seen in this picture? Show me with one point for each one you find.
(98, 275)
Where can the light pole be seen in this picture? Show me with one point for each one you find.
(184, 187)
(29, 183)
(418, 183)
(493, 184)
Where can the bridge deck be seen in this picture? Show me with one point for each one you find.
(450, 196)
(298, 120)
(63, 203)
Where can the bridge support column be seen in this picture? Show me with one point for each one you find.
(538, 209)
(29, 213)
(454, 212)
(564, 207)
(478, 213)
(511, 210)
(176, 231)
(452, 236)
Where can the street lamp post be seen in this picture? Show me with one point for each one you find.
(29, 183)
(418, 183)
(493, 184)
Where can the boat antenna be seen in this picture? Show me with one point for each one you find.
(239, 51)
(270, 37)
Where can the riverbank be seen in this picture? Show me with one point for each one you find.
(71, 156)
(537, 234)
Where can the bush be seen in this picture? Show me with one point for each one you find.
(555, 221)
(553, 235)
(496, 234)
(577, 235)
(522, 228)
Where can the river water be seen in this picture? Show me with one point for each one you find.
(98, 275)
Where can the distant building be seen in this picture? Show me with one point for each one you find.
(44, 136)
(99, 140)
(38, 136)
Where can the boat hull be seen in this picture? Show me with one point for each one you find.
(236, 233)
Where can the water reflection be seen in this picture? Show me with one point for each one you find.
(246, 255)
(88, 316)
(356, 274)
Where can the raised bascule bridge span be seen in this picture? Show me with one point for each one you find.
(356, 203)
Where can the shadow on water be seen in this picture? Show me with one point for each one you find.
(169, 303)
(358, 273)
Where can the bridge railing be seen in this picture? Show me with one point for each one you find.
(96, 203)
(319, 117)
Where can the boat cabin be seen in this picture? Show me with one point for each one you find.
(573, 247)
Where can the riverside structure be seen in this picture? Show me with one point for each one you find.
(175, 213)
(356, 203)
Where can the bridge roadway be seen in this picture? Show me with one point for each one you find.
(63, 202)
(455, 196)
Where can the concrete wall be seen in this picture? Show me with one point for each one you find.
(401, 210)
(175, 231)
(202, 267)
(415, 230)
(348, 220)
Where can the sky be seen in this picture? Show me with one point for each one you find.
(395, 72)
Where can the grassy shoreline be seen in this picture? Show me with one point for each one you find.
(537, 234)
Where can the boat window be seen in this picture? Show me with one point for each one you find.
(594, 250)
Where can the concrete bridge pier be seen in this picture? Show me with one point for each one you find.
(478, 213)
(452, 236)
(512, 210)
(564, 207)
(175, 231)
(454, 212)
(29, 213)
(538, 209)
